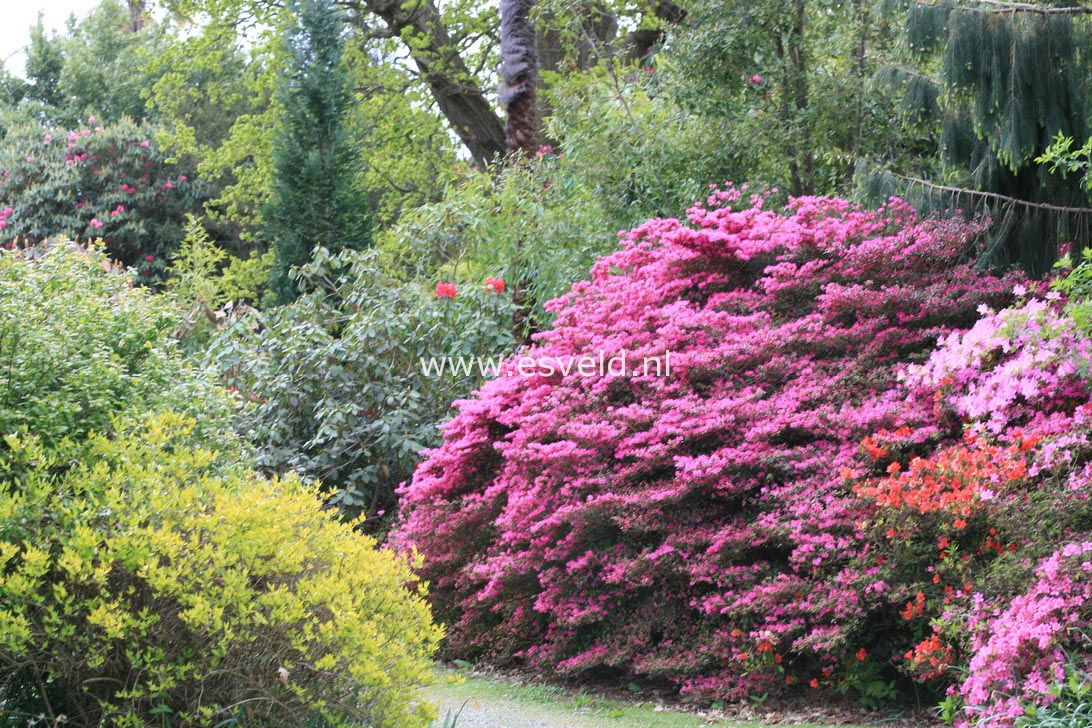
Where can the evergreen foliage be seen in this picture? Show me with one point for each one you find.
(316, 200)
(999, 81)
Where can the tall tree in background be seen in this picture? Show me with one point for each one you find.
(519, 76)
(316, 199)
(45, 61)
(519, 96)
(435, 52)
(999, 80)
(793, 82)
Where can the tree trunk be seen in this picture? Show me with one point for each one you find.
(796, 184)
(639, 42)
(519, 76)
(451, 83)
(800, 96)
(859, 71)
(137, 18)
(789, 49)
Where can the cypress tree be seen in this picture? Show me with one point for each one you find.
(316, 198)
(998, 81)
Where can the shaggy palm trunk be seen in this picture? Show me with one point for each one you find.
(519, 95)
(519, 76)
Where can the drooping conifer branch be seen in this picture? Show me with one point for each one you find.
(997, 81)
(999, 6)
(996, 197)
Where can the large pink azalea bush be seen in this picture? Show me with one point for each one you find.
(700, 525)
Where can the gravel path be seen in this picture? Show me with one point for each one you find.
(495, 712)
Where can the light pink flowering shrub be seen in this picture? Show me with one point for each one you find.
(1019, 652)
(695, 527)
(965, 511)
(1012, 367)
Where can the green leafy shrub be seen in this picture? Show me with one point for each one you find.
(337, 379)
(638, 150)
(538, 223)
(79, 345)
(150, 583)
(205, 281)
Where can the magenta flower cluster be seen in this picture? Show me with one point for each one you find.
(696, 528)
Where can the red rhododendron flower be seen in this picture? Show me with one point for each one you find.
(445, 290)
(494, 285)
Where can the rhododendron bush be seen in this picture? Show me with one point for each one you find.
(699, 525)
(112, 182)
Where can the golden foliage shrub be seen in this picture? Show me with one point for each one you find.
(154, 583)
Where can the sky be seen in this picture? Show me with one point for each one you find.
(20, 15)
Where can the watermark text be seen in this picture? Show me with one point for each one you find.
(600, 365)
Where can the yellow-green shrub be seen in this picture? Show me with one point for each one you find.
(156, 583)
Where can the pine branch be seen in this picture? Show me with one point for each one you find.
(1005, 199)
(1000, 6)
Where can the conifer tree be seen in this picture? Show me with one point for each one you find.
(999, 81)
(316, 199)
